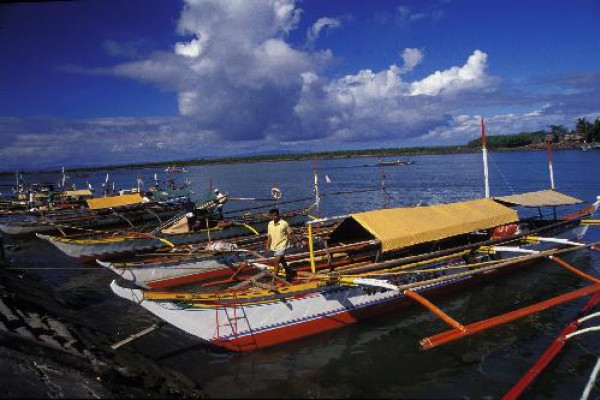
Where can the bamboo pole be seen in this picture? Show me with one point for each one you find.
(313, 267)
(550, 353)
(574, 270)
(485, 161)
(136, 336)
(436, 310)
(550, 162)
(453, 335)
(519, 260)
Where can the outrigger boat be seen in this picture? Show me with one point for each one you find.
(423, 251)
(215, 262)
(177, 231)
(101, 212)
(396, 162)
(174, 168)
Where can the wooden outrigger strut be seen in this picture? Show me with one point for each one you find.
(551, 352)
(480, 326)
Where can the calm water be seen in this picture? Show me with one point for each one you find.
(379, 358)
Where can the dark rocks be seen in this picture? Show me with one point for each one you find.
(45, 352)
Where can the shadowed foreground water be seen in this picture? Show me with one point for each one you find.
(381, 357)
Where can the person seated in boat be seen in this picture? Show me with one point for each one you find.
(279, 237)
(171, 183)
(220, 200)
(199, 220)
(189, 205)
(203, 219)
(51, 195)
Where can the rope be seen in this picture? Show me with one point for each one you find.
(512, 190)
(395, 271)
(591, 382)
(169, 221)
(267, 206)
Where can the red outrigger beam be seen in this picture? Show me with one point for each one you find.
(550, 353)
(461, 331)
(455, 334)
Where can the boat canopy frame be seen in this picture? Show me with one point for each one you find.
(401, 227)
(114, 201)
(542, 198)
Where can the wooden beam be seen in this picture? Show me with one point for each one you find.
(573, 269)
(453, 335)
(437, 311)
(551, 352)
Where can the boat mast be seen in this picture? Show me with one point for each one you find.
(317, 197)
(485, 161)
(63, 180)
(550, 162)
(383, 193)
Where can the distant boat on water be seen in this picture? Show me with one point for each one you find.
(396, 162)
(590, 146)
(173, 168)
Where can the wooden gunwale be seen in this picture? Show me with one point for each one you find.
(316, 283)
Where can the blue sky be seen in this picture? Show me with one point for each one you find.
(102, 82)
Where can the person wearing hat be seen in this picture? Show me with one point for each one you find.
(220, 200)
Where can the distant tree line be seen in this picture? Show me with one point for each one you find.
(584, 129)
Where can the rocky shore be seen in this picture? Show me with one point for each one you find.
(46, 353)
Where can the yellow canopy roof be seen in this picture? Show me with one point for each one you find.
(543, 198)
(114, 201)
(401, 227)
(77, 193)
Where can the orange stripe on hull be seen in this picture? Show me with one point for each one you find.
(279, 335)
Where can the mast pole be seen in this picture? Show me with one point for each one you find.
(317, 197)
(63, 179)
(383, 193)
(485, 160)
(550, 162)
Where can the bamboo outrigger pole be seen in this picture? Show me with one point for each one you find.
(551, 352)
(455, 334)
(452, 335)
(485, 160)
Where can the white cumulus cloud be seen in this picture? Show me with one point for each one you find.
(324, 23)
(242, 86)
(472, 75)
(411, 58)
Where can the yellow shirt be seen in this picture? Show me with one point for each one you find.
(279, 234)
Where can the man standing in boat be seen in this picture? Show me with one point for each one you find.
(279, 236)
(220, 200)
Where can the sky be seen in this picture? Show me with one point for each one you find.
(108, 82)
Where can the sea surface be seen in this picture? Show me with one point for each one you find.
(378, 358)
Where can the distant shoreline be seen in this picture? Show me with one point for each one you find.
(328, 155)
